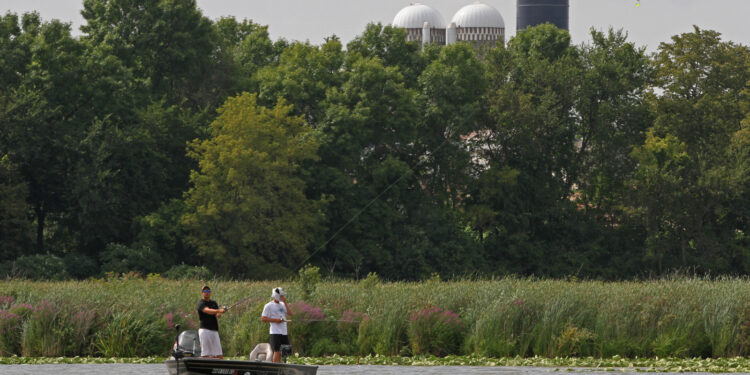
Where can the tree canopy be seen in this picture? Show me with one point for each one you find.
(159, 133)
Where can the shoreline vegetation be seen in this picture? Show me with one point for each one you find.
(722, 365)
(494, 322)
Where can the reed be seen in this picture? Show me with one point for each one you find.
(127, 316)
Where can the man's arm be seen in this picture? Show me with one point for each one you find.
(288, 310)
(266, 319)
(210, 311)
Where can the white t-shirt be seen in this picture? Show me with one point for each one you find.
(275, 310)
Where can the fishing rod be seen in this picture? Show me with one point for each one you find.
(323, 320)
(241, 302)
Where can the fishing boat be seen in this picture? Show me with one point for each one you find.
(186, 360)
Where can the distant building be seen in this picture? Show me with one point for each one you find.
(422, 23)
(478, 23)
(536, 12)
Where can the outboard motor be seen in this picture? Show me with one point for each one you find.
(286, 350)
(187, 345)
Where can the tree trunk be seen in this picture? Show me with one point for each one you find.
(39, 210)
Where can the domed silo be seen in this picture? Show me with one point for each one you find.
(537, 12)
(413, 19)
(479, 24)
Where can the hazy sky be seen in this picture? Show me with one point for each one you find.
(652, 22)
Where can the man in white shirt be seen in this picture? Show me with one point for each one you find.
(275, 313)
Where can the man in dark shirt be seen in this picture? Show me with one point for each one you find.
(208, 312)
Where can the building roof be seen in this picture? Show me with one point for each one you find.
(478, 15)
(415, 15)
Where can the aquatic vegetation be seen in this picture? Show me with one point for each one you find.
(433, 330)
(708, 365)
(504, 318)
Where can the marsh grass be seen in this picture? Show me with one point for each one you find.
(509, 317)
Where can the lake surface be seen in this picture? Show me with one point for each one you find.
(129, 369)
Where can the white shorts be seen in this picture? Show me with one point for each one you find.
(210, 343)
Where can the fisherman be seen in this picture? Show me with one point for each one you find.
(208, 314)
(275, 313)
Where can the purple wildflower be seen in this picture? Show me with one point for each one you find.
(169, 317)
(6, 301)
(307, 312)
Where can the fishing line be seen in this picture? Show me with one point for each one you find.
(411, 169)
(242, 302)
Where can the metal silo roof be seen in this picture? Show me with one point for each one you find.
(415, 15)
(478, 15)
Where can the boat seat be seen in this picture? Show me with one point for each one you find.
(261, 352)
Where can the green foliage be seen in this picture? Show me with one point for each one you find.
(435, 331)
(187, 272)
(10, 333)
(15, 229)
(45, 332)
(689, 177)
(684, 317)
(166, 43)
(131, 334)
(120, 259)
(41, 267)
(80, 266)
(247, 213)
(536, 158)
(309, 277)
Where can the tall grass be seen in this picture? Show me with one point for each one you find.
(678, 317)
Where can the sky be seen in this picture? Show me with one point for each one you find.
(647, 22)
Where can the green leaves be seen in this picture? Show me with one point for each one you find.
(247, 213)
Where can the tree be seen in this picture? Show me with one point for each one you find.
(241, 49)
(451, 91)
(167, 43)
(247, 212)
(44, 110)
(691, 173)
(302, 77)
(613, 118)
(15, 229)
(521, 198)
(389, 45)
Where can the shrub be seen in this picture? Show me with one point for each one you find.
(433, 330)
(21, 309)
(41, 267)
(184, 272)
(246, 332)
(574, 342)
(6, 301)
(347, 329)
(45, 332)
(83, 324)
(308, 324)
(80, 266)
(10, 333)
(309, 277)
(120, 259)
(133, 333)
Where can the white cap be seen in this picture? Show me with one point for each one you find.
(277, 292)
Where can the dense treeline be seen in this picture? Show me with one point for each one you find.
(160, 141)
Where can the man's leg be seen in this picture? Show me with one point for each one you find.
(277, 357)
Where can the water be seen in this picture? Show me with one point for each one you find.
(128, 369)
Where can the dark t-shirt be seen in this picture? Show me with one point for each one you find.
(208, 321)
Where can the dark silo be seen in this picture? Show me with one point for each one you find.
(535, 12)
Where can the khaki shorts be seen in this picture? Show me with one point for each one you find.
(210, 343)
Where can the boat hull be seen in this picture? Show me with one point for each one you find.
(196, 366)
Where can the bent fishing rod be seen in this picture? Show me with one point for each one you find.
(241, 302)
